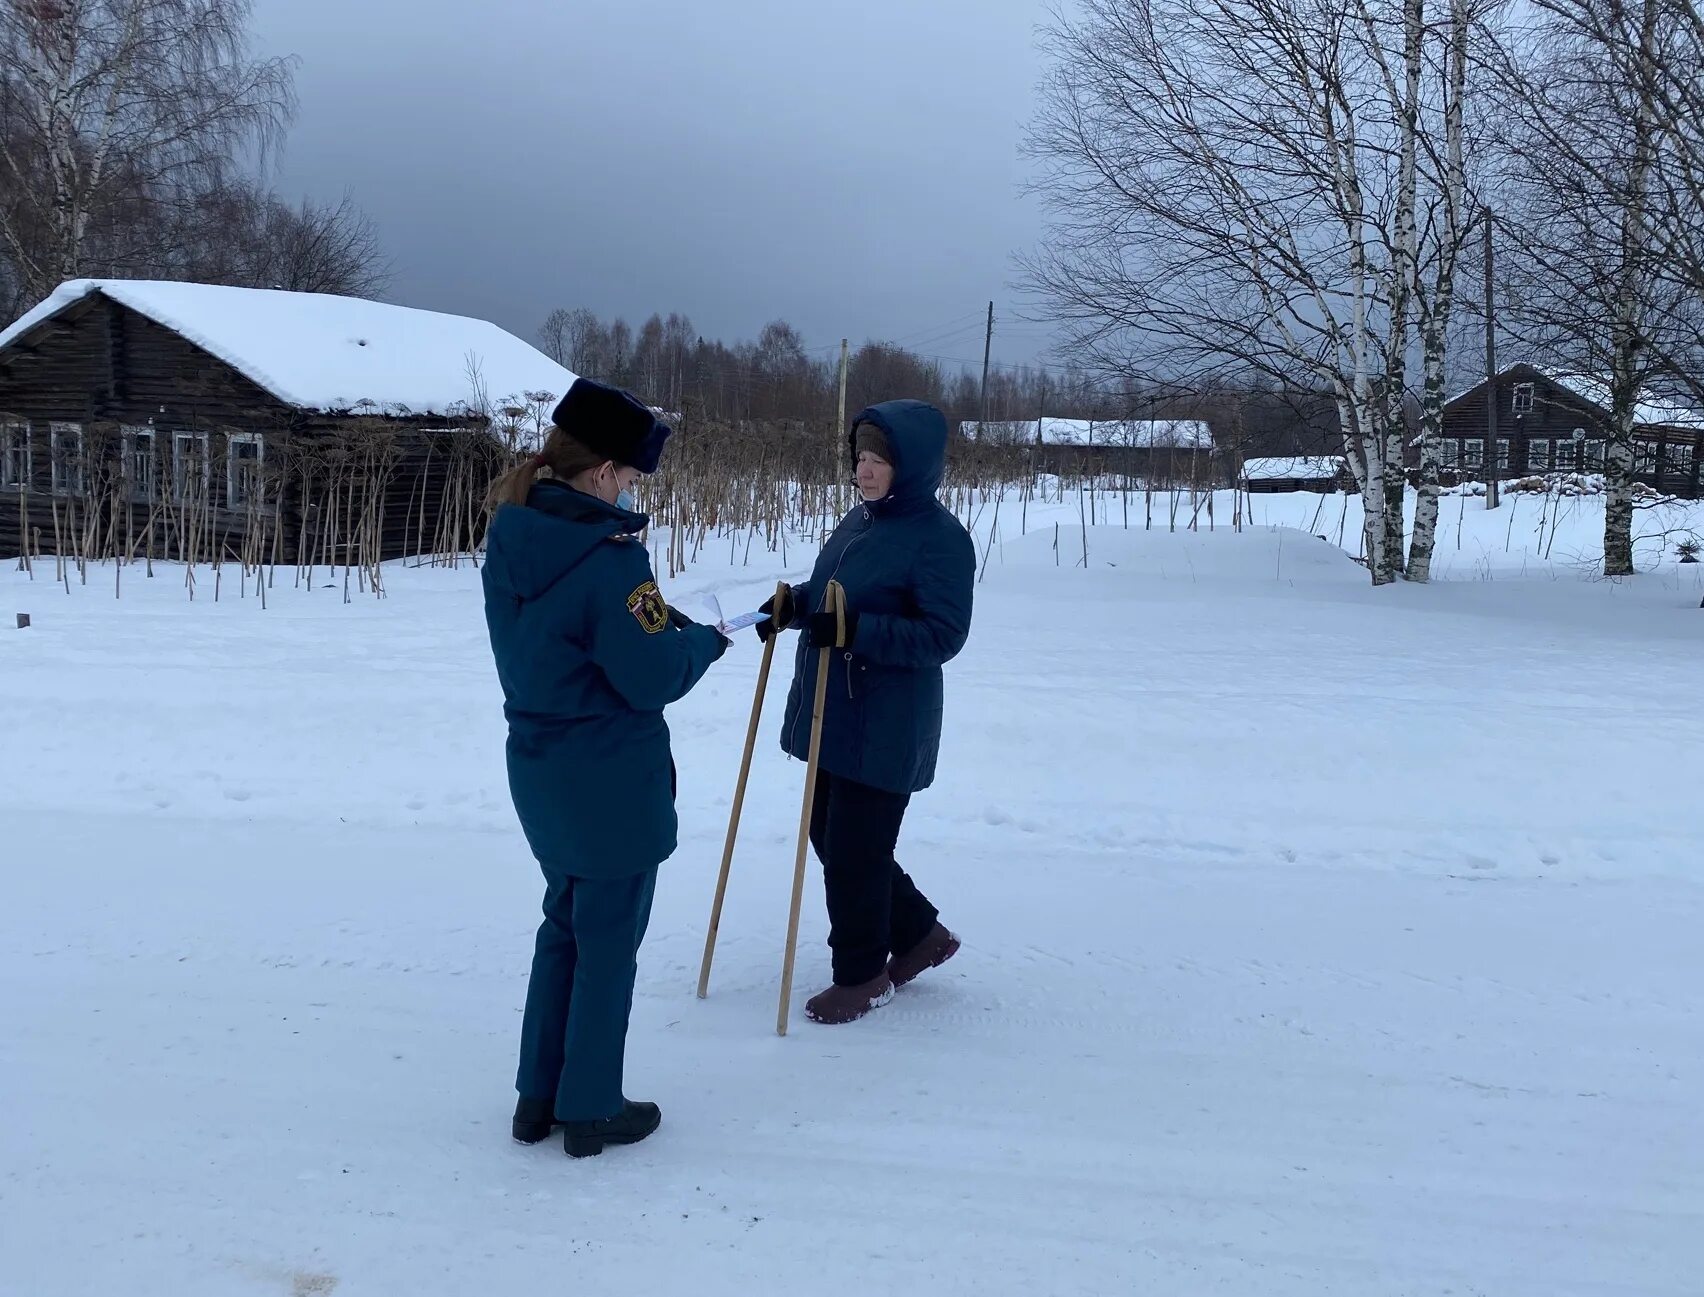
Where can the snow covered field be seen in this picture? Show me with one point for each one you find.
(1318, 940)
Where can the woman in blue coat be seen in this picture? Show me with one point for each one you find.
(588, 655)
(908, 569)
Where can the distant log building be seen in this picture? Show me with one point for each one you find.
(195, 422)
(1549, 423)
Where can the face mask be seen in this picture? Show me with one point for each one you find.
(625, 500)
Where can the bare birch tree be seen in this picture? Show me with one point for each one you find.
(1677, 105)
(1442, 137)
(1268, 187)
(1597, 167)
(114, 108)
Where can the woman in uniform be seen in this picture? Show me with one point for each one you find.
(588, 655)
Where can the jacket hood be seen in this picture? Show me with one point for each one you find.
(917, 435)
(533, 546)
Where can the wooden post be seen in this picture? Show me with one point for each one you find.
(842, 452)
(834, 601)
(987, 349)
(1492, 499)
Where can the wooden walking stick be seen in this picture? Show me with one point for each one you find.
(781, 592)
(834, 601)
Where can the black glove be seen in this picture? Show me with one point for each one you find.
(779, 619)
(822, 630)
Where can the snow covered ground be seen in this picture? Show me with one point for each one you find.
(1318, 940)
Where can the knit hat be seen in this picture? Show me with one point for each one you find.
(866, 436)
(614, 423)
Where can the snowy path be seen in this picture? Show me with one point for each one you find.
(1237, 1013)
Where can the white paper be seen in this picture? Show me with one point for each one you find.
(728, 625)
(742, 621)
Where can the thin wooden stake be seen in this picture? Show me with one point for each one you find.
(834, 601)
(781, 591)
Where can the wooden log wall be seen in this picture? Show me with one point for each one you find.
(1667, 459)
(139, 444)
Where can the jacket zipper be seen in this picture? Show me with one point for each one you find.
(869, 522)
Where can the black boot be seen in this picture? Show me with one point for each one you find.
(633, 1123)
(534, 1120)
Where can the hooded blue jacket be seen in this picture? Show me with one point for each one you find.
(909, 570)
(588, 656)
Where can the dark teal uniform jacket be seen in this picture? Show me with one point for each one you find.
(588, 655)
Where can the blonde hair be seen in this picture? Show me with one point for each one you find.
(564, 456)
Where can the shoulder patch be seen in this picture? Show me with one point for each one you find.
(649, 608)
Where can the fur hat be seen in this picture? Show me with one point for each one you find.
(614, 423)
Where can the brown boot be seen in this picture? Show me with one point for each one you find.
(933, 951)
(841, 1004)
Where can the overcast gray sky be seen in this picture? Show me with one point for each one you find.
(852, 167)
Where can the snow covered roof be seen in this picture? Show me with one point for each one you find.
(1650, 410)
(333, 354)
(1139, 434)
(1304, 468)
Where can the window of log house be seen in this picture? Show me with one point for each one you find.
(17, 463)
(245, 456)
(192, 472)
(65, 452)
(141, 465)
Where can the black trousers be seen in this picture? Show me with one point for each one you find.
(874, 909)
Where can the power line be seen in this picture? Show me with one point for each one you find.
(943, 339)
(963, 326)
(974, 317)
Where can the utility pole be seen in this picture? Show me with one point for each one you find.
(840, 429)
(987, 348)
(1492, 499)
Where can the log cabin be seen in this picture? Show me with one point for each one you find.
(1288, 474)
(1549, 423)
(193, 421)
(1159, 452)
